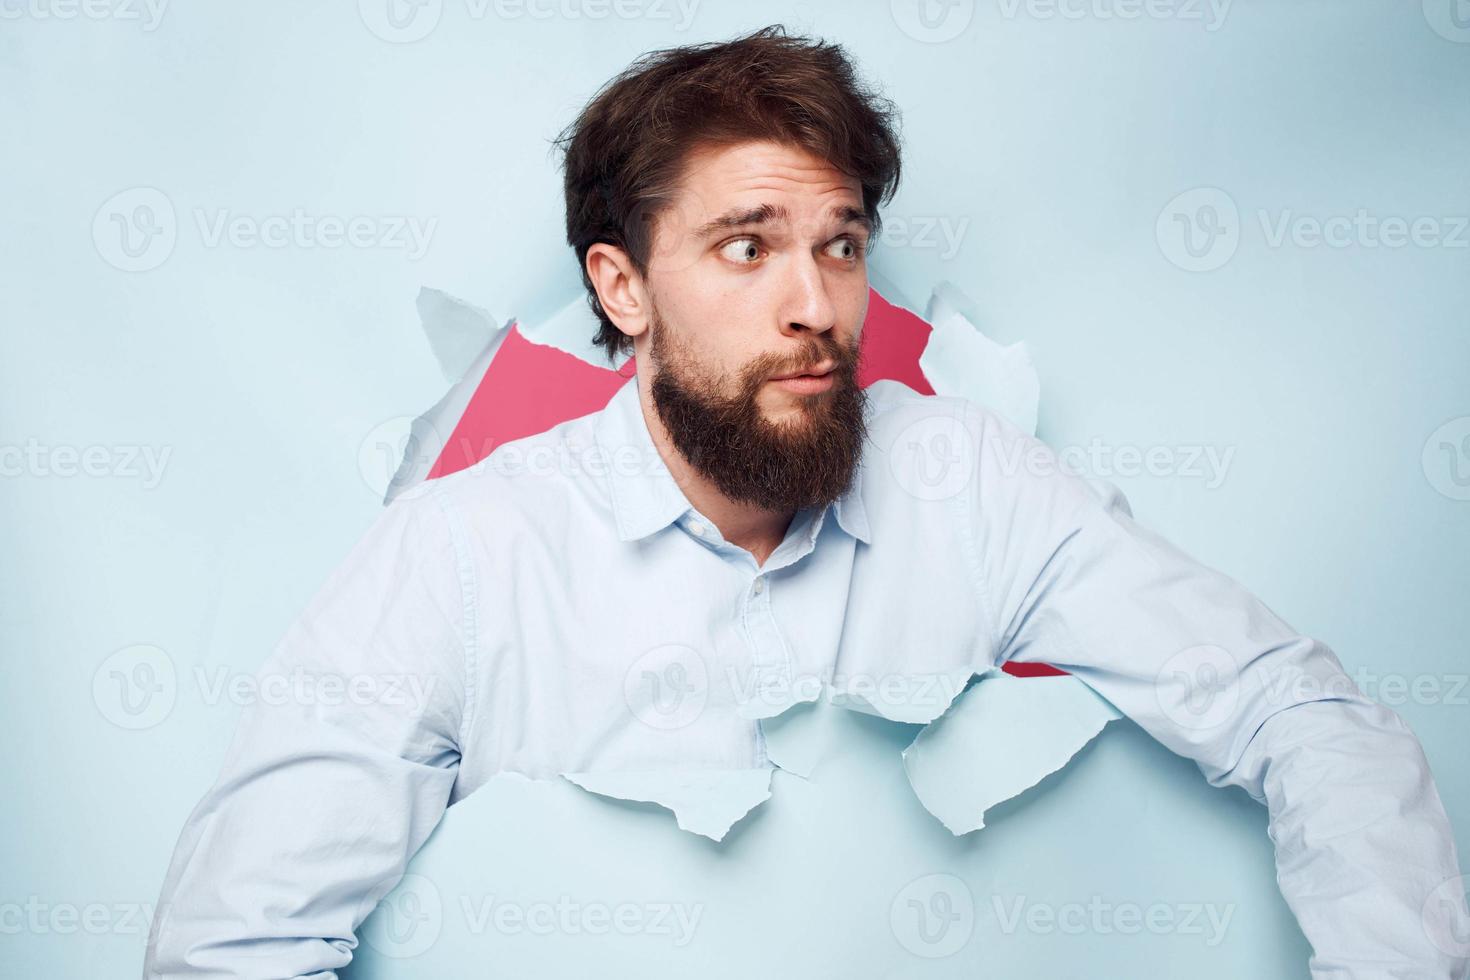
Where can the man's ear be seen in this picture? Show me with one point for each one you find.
(620, 289)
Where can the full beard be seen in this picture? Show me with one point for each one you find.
(805, 461)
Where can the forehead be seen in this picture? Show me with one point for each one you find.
(716, 177)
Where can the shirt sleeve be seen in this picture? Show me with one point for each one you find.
(340, 766)
(1365, 854)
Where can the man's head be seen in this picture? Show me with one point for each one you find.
(721, 199)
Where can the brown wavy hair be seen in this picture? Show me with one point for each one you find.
(623, 155)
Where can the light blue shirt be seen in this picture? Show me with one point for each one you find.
(561, 609)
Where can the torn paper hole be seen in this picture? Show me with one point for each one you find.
(960, 360)
(453, 327)
(513, 380)
(458, 332)
(571, 329)
(511, 388)
(1002, 736)
(797, 739)
(707, 802)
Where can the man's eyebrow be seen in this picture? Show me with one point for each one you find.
(847, 214)
(768, 213)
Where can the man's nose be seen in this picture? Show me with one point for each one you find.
(809, 307)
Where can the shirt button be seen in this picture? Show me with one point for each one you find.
(760, 586)
(697, 530)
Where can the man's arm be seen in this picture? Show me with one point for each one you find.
(338, 770)
(1361, 837)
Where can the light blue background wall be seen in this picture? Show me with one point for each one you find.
(1050, 148)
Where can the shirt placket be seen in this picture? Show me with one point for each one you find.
(771, 663)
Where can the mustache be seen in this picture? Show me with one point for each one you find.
(817, 351)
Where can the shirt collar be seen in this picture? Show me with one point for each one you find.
(645, 497)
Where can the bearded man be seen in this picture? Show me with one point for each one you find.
(747, 526)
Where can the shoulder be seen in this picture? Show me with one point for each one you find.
(903, 421)
(521, 478)
(950, 448)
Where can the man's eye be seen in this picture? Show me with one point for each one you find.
(741, 250)
(848, 248)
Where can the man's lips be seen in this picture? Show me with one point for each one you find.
(809, 381)
(821, 370)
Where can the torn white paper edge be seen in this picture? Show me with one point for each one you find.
(960, 360)
(797, 739)
(934, 693)
(1001, 737)
(458, 332)
(456, 324)
(570, 330)
(704, 801)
